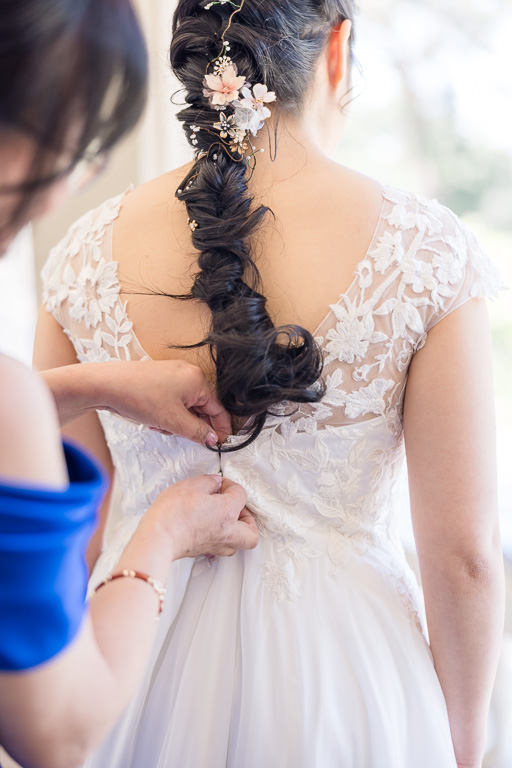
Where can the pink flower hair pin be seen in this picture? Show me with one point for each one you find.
(223, 88)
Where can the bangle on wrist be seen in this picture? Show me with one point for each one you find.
(132, 574)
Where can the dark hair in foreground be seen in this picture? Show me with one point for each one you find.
(276, 43)
(73, 79)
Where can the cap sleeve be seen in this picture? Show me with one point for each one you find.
(84, 247)
(461, 270)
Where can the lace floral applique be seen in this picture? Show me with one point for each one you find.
(370, 399)
(341, 548)
(407, 591)
(94, 293)
(111, 344)
(355, 330)
(281, 580)
(89, 350)
(388, 251)
(289, 535)
(89, 283)
(320, 478)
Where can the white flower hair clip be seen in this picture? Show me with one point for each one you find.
(222, 88)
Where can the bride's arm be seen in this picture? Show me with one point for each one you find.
(450, 440)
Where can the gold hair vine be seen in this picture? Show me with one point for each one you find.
(222, 87)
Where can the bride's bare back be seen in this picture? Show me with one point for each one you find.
(324, 219)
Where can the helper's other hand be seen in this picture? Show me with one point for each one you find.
(203, 515)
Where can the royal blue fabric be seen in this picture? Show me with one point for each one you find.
(43, 576)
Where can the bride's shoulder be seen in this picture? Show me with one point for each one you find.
(438, 259)
(154, 199)
(136, 206)
(151, 217)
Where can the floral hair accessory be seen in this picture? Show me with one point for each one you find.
(226, 126)
(257, 99)
(246, 118)
(222, 88)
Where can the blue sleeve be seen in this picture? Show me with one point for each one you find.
(43, 575)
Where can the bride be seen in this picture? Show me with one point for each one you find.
(340, 319)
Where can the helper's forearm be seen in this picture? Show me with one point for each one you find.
(167, 395)
(78, 389)
(465, 607)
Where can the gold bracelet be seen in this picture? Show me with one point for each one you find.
(131, 574)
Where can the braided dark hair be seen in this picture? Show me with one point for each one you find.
(258, 365)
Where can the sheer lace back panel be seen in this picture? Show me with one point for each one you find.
(319, 478)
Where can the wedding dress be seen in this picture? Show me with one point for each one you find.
(311, 650)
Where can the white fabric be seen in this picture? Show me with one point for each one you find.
(310, 650)
(18, 299)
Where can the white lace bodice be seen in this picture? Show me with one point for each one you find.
(320, 478)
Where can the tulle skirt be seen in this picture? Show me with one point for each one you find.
(245, 675)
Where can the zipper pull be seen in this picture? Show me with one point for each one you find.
(219, 451)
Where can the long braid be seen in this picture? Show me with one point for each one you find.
(257, 364)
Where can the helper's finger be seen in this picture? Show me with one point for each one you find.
(244, 537)
(234, 497)
(227, 552)
(248, 518)
(218, 416)
(186, 424)
(206, 483)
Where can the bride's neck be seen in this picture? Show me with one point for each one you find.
(289, 149)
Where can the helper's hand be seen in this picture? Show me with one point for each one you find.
(172, 396)
(203, 515)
